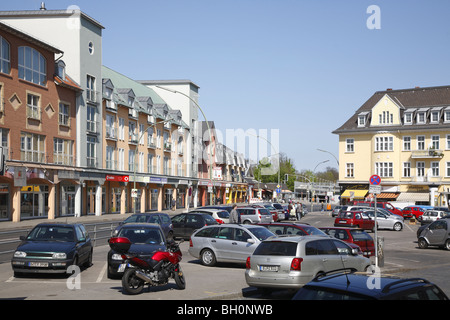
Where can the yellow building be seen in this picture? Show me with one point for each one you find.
(404, 137)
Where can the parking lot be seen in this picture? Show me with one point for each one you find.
(225, 281)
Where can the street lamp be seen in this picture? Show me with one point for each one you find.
(319, 164)
(329, 153)
(209, 130)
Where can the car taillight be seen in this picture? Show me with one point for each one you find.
(247, 263)
(220, 221)
(190, 243)
(296, 264)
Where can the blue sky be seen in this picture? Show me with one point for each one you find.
(302, 67)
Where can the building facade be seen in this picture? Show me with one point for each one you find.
(404, 137)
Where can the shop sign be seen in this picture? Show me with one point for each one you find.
(117, 178)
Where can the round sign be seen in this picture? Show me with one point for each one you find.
(375, 179)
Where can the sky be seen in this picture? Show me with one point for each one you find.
(294, 69)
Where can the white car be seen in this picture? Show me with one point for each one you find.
(220, 215)
(432, 215)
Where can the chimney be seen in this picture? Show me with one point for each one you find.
(43, 6)
(389, 89)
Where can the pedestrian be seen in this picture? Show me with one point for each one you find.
(235, 217)
(298, 211)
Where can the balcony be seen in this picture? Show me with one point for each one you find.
(111, 133)
(427, 154)
(167, 146)
(92, 127)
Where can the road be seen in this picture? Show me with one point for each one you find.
(226, 281)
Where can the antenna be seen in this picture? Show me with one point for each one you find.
(43, 6)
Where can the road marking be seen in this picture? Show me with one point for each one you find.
(102, 273)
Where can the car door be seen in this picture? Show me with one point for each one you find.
(347, 259)
(178, 224)
(83, 248)
(222, 244)
(328, 253)
(193, 222)
(241, 248)
(437, 232)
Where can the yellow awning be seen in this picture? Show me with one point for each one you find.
(357, 194)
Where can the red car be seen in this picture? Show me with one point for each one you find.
(411, 211)
(295, 229)
(354, 219)
(355, 236)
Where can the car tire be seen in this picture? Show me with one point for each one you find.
(208, 258)
(397, 226)
(447, 244)
(423, 244)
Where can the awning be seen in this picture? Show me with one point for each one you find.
(414, 196)
(355, 194)
(387, 195)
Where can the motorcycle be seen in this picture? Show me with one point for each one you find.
(155, 271)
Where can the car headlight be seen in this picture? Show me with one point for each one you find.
(59, 255)
(116, 256)
(20, 254)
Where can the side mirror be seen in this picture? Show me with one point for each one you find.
(354, 251)
(251, 240)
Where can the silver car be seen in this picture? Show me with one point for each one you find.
(432, 215)
(436, 234)
(220, 215)
(385, 221)
(255, 215)
(226, 242)
(291, 262)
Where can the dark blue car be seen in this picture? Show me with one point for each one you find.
(160, 218)
(52, 248)
(146, 239)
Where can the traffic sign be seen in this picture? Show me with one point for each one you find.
(375, 180)
(375, 189)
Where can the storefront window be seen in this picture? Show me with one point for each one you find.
(168, 198)
(181, 196)
(4, 202)
(116, 200)
(34, 201)
(67, 204)
(154, 199)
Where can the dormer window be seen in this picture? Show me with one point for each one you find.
(435, 116)
(362, 119)
(421, 117)
(408, 117)
(61, 69)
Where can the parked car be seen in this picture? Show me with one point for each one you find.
(52, 248)
(160, 218)
(219, 206)
(220, 215)
(352, 235)
(290, 262)
(354, 286)
(273, 211)
(431, 216)
(281, 211)
(226, 243)
(146, 238)
(380, 204)
(435, 234)
(385, 221)
(295, 229)
(355, 219)
(254, 214)
(184, 224)
(412, 212)
(336, 210)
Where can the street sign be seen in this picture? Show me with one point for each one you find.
(375, 189)
(375, 180)
(278, 190)
(134, 193)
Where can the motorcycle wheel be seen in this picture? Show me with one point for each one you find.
(130, 283)
(179, 279)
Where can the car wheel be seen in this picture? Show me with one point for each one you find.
(398, 226)
(423, 244)
(447, 244)
(208, 258)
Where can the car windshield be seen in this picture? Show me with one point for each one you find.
(276, 248)
(313, 231)
(264, 211)
(360, 235)
(52, 233)
(278, 206)
(142, 235)
(223, 214)
(261, 233)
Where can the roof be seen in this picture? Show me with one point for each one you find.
(414, 98)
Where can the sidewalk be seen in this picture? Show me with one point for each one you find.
(30, 223)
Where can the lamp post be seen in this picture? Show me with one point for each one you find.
(331, 154)
(209, 130)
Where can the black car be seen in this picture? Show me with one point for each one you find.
(52, 248)
(354, 286)
(146, 239)
(185, 224)
(160, 218)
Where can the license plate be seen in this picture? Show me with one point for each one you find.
(343, 221)
(122, 267)
(38, 264)
(268, 268)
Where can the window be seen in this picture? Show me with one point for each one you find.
(158, 138)
(91, 48)
(63, 151)
(110, 162)
(435, 169)
(406, 169)
(32, 147)
(150, 163)
(421, 117)
(90, 92)
(32, 66)
(350, 145)
(435, 116)
(448, 142)
(350, 170)
(447, 115)
(33, 108)
(5, 62)
(408, 117)
(447, 169)
(110, 126)
(420, 142)
(131, 158)
(384, 143)
(132, 137)
(420, 168)
(91, 122)
(121, 129)
(141, 162)
(384, 169)
(63, 114)
(158, 164)
(361, 121)
(166, 166)
(406, 143)
(435, 142)
(121, 159)
(91, 159)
